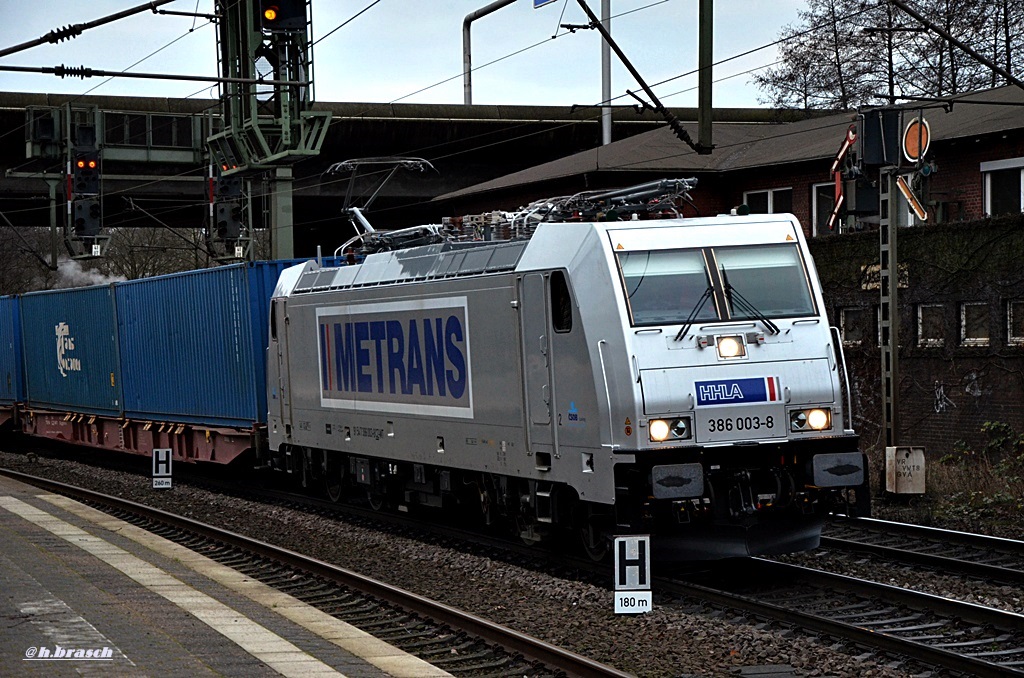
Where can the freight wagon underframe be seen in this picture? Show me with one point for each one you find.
(187, 442)
(8, 413)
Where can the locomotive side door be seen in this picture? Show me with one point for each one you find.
(280, 395)
(538, 373)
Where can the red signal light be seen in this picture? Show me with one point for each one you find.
(92, 164)
(81, 164)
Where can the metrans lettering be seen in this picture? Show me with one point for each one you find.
(403, 357)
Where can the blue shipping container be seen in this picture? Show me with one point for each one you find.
(193, 344)
(12, 384)
(71, 352)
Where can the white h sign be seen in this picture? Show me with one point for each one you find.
(162, 469)
(633, 574)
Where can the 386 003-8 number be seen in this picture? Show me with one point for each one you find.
(724, 424)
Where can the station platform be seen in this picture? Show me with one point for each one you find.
(82, 593)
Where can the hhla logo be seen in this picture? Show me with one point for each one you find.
(65, 344)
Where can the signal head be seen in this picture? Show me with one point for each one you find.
(282, 16)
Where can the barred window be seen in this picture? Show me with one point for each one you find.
(930, 325)
(1015, 322)
(855, 325)
(974, 330)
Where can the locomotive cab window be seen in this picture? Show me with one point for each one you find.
(741, 283)
(561, 303)
(769, 279)
(663, 287)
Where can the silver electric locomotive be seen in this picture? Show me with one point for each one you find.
(672, 377)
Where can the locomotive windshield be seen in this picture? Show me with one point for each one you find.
(746, 283)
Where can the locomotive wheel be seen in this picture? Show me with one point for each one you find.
(334, 478)
(305, 473)
(525, 528)
(375, 499)
(528, 534)
(595, 544)
(592, 537)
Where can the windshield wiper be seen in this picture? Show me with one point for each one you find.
(738, 300)
(696, 309)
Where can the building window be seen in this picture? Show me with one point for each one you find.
(140, 129)
(930, 325)
(1004, 186)
(855, 325)
(974, 324)
(824, 200)
(1015, 322)
(113, 128)
(773, 201)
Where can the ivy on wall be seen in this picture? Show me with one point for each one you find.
(945, 265)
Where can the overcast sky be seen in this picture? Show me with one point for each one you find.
(399, 50)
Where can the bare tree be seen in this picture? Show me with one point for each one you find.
(143, 252)
(824, 64)
(849, 53)
(933, 65)
(24, 259)
(1008, 35)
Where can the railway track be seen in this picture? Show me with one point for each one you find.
(913, 628)
(946, 550)
(458, 642)
(939, 632)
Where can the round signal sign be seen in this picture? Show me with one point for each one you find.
(916, 137)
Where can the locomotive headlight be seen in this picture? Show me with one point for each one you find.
(817, 419)
(731, 347)
(681, 429)
(659, 430)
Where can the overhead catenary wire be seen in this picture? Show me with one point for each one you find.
(74, 30)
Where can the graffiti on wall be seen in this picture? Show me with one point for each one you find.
(942, 401)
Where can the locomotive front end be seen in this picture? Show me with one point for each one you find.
(744, 436)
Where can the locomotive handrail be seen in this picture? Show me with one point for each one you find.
(726, 326)
(837, 341)
(607, 396)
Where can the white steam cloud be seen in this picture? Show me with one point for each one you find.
(72, 274)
